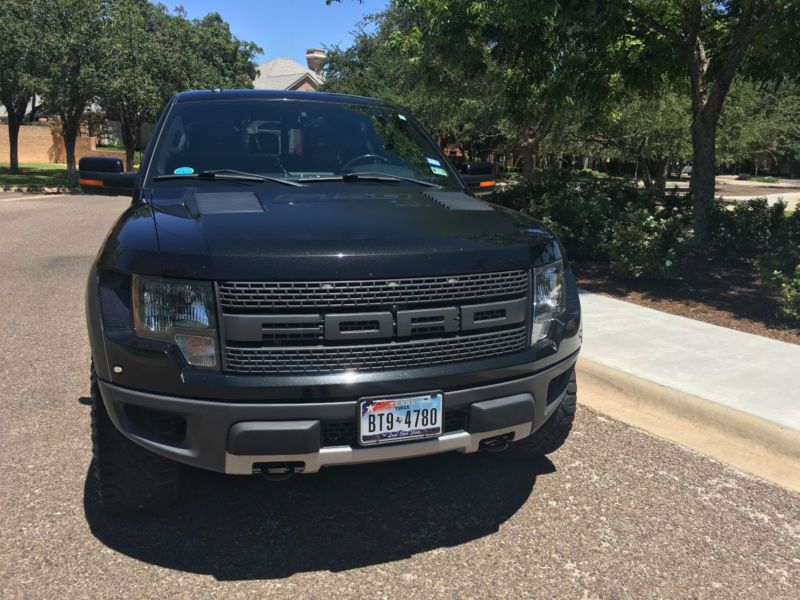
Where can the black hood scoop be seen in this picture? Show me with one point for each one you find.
(457, 201)
(217, 203)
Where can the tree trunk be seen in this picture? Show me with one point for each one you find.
(13, 143)
(16, 106)
(644, 168)
(70, 129)
(662, 171)
(130, 138)
(528, 159)
(703, 177)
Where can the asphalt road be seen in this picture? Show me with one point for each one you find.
(617, 513)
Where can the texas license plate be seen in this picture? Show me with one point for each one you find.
(399, 419)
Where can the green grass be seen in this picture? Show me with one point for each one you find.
(33, 175)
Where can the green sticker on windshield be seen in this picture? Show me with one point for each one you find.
(439, 171)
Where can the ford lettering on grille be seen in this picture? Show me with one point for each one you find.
(375, 325)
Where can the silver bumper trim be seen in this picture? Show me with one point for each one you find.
(458, 441)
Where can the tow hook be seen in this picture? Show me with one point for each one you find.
(275, 471)
(496, 444)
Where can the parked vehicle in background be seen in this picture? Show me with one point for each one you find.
(479, 176)
(302, 280)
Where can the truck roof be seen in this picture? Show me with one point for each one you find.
(205, 95)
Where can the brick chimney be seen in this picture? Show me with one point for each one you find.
(314, 59)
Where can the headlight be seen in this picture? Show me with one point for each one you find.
(177, 311)
(548, 298)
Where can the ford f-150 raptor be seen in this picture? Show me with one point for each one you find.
(303, 280)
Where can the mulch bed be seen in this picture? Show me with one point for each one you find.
(728, 295)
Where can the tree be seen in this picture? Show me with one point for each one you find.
(713, 39)
(155, 55)
(205, 54)
(539, 54)
(457, 110)
(20, 61)
(72, 34)
(135, 81)
(649, 129)
(759, 121)
(559, 53)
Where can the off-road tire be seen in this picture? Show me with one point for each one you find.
(552, 435)
(129, 478)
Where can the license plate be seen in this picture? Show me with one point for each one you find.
(387, 420)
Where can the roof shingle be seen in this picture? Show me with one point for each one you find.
(283, 74)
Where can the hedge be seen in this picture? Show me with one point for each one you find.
(646, 235)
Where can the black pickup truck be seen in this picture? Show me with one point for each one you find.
(479, 177)
(303, 280)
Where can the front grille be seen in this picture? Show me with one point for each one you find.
(345, 433)
(374, 357)
(237, 296)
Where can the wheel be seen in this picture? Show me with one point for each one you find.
(552, 435)
(129, 478)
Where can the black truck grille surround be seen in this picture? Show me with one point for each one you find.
(315, 328)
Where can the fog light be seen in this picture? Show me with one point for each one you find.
(199, 350)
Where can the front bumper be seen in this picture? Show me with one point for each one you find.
(243, 438)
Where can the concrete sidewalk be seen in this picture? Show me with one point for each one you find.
(749, 373)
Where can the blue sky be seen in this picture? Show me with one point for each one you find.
(287, 27)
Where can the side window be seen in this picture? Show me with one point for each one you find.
(172, 143)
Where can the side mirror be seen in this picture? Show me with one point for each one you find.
(105, 175)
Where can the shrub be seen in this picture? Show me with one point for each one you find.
(578, 212)
(591, 173)
(745, 230)
(779, 267)
(584, 212)
(646, 235)
(791, 296)
(650, 246)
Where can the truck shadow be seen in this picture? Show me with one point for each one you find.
(237, 528)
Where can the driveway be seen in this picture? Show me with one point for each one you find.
(616, 513)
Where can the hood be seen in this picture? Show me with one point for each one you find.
(338, 231)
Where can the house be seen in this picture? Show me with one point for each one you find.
(286, 74)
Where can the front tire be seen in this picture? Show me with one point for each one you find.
(552, 435)
(129, 478)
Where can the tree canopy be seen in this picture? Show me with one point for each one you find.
(646, 80)
(127, 57)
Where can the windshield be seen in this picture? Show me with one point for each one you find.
(296, 139)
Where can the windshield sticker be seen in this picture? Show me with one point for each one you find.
(433, 161)
(439, 171)
(183, 171)
(401, 117)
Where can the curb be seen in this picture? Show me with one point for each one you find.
(744, 441)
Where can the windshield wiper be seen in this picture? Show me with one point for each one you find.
(226, 175)
(351, 177)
